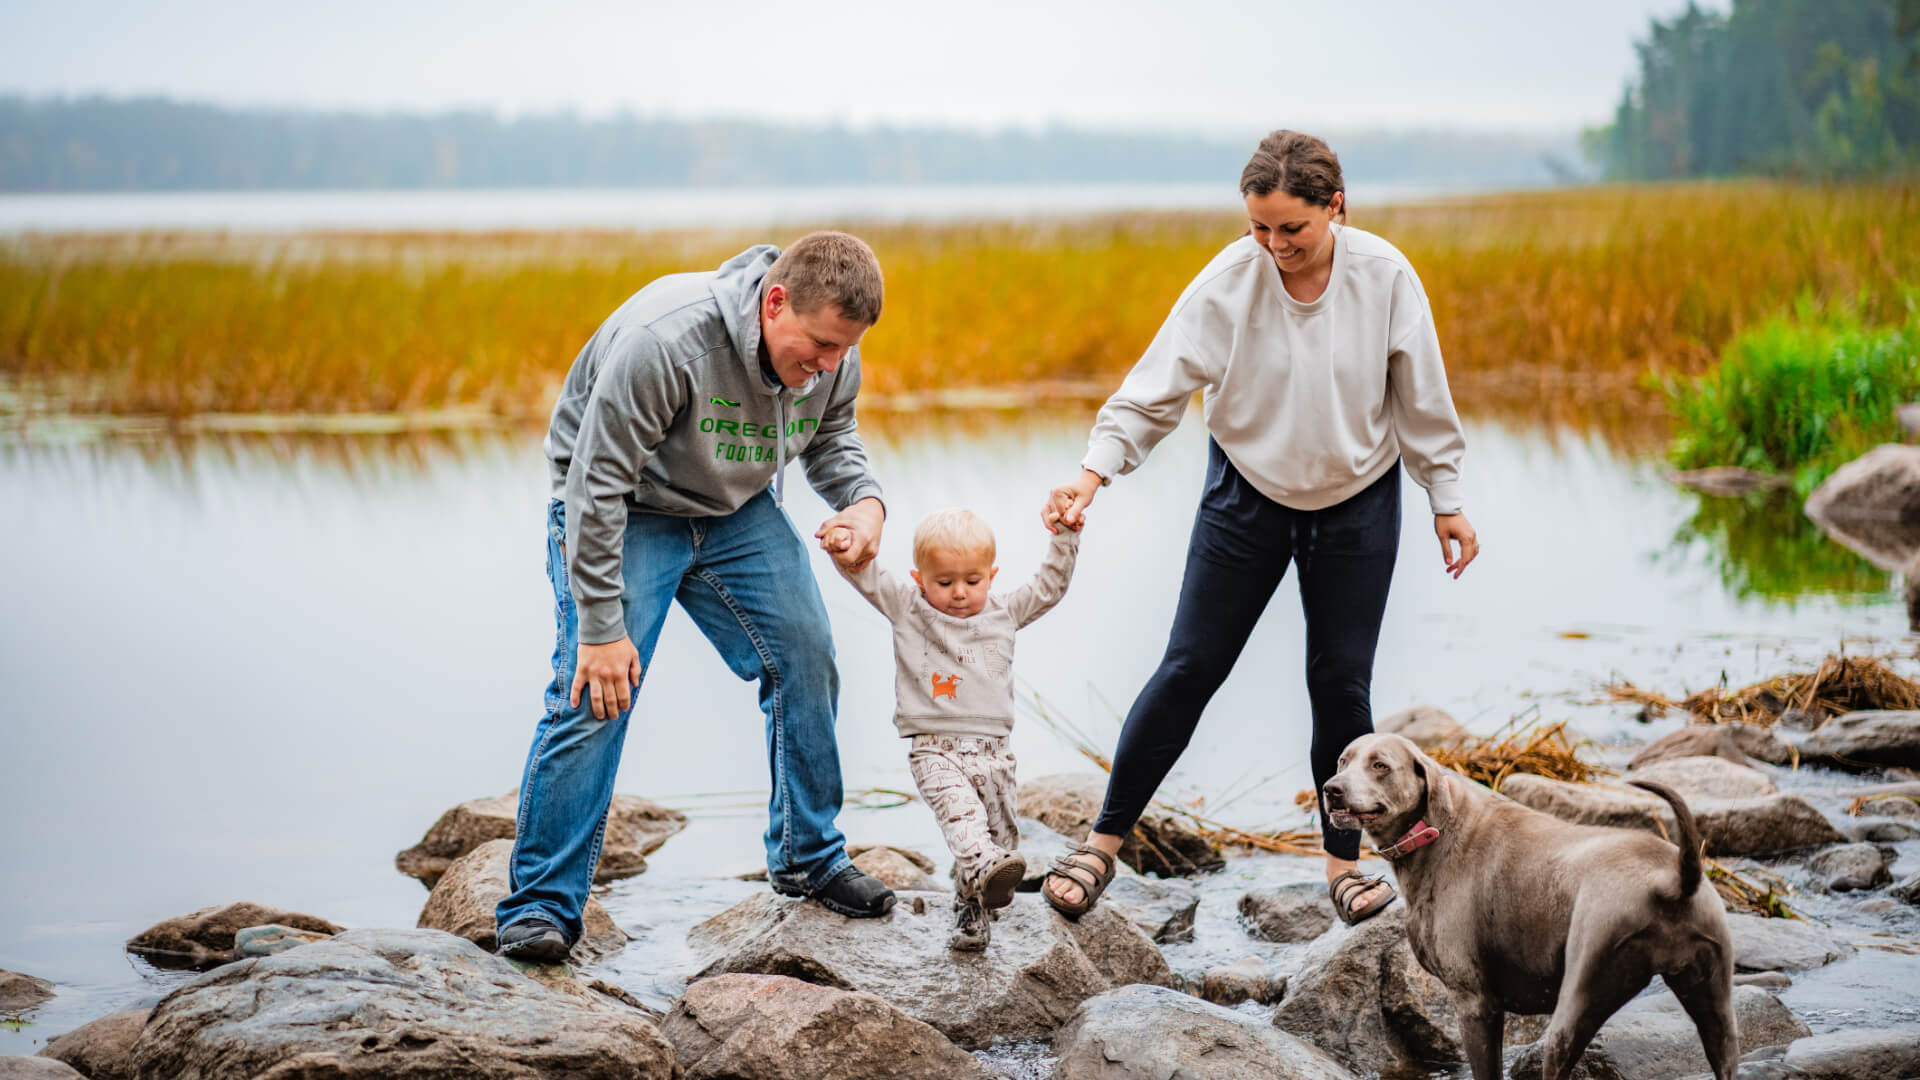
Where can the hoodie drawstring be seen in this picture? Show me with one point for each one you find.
(780, 449)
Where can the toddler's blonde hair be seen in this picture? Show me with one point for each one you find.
(956, 530)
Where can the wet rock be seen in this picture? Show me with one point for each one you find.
(1876, 905)
(1882, 484)
(18, 993)
(1363, 998)
(1850, 867)
(1866, 740)
(272, 938)
(1036, 972)
(1882, 832)
(392, 1003)
(1163, 909)
(1694, 740)
(1427, 726)
(1652, 1038)
(1246, 979)
(1857, 1054)
(1152, 1033)
(1752, 826)
(103, 1049)
(1901, 808)
(636, 828)
(205, 938)
(1041, 845)
(769, 1027)
(36, 1068)
(1766, 980)
(1908, 890)
(1287, 913)
(463, 903)
(1162, 843)
(1707, 777)
(897, 868)
(1761, 944)
(1726, 480)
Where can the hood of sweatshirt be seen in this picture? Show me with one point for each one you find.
(737, 286)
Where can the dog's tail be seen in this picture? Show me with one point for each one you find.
(1689, 841)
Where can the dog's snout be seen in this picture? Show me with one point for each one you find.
(1335, 792)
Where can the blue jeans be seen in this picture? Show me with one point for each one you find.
(746, 581)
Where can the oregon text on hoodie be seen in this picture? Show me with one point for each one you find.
(1310, 401)
(666, 412)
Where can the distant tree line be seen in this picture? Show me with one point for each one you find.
(103, 144)
(1817, 88)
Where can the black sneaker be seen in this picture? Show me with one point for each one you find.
(851, 892)
(972, 927)
(534, 940)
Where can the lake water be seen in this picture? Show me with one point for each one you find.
(254, 668)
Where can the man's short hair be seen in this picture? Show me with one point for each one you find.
(828, 267)
(955, 530)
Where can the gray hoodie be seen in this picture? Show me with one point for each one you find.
(666, 412)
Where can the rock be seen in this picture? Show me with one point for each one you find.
(1040, 845)
(464, 899)
(1858, 1054)
(1246, 979)
(1767, 980)
(1038, 969)
(1875, 738)
(1908, 890)
(103, 1049)
(1902, 808)
(1876, 905)
(1752, 826)
(1909, 416)
(769, 1027)
(636, 828)
(391, 1003)
(36, 1068)
(1882, 832)
(1882, 484)
(1694, 740)
(1850, 867)
(1726, 480)
(897, 868)
(1287, 913)
(19, 993)
(1652, 1038)
(1761, 944)
(1162, 843)
(1364, 999)
(1707, 777)
(1152, 1033)
(272, 938)
(205, 938)
(1163, 909)
(1427, 726)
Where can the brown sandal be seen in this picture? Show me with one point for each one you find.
(1092, 883)
(1353, 883)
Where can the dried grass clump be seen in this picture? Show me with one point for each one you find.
(1742, 893)
(1544, 752)
(1841, 684)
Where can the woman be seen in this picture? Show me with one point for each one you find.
(1322, 371)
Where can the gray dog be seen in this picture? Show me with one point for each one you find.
(1517, 911)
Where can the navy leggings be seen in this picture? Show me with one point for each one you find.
(1242, 543)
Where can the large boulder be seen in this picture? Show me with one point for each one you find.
(1362, 997)
(206, 938)
(1037, 970)
(1752, 826)
(273, 938)
(1652, 1038)
(1707, 778)
(1850, 867)
(1163, 909)
(1153, 1033)
(1287, 913)
(1162, 843)
(394, 1004)
(769, 1027)
(1762, 944)
(464, 899)
(1872, 739)
(636, 828)
(1427, 726)
(897, 868)
(1694, 740)
(1246, 979)
(1882, 484)
(36, 1068)
(103, 1049)
(1854, 1054)
(18, 993)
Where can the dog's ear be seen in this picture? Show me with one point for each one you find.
(1439, 783)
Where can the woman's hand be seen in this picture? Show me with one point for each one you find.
(1067, 504)
(1453, 528)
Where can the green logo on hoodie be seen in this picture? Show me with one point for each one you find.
(724, 401)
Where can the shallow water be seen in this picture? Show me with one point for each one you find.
(257, 668)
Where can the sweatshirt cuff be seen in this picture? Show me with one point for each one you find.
(1105, 458)
(867, 490)
(1445, 497)
(602, 622)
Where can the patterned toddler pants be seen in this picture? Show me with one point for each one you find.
(967, 781)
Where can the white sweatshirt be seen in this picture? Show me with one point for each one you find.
(1311, 402)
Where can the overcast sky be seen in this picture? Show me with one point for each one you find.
(1208, 67)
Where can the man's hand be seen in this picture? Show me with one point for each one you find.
(610, 672)
(1067, 504)
(1453, 528)
(852, 536)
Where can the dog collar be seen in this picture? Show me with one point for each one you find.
(1419, 836)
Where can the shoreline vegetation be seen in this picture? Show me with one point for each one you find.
(1570, 307)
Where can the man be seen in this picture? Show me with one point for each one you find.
(674, 421)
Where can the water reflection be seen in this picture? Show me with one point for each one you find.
(1764, 546)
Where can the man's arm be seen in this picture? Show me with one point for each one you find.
(837, 467)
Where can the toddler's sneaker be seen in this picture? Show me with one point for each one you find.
(971, 927)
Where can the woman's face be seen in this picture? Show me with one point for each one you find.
(1296, 233)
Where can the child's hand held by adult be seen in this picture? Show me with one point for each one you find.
(1067, 504)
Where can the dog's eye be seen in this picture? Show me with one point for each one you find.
(1380, 767)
